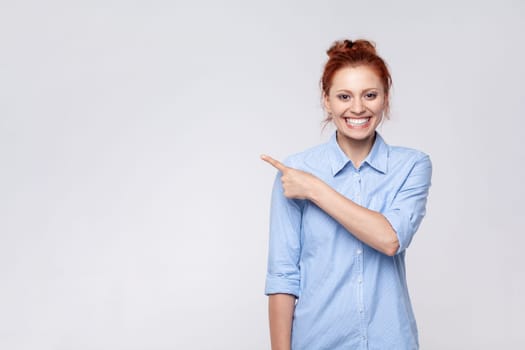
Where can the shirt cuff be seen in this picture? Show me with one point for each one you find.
(281, 285)
(401, 227)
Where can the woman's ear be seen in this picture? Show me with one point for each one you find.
(326, 103)
(386, 107)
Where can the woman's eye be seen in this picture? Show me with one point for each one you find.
(344, 97)
(370, 95)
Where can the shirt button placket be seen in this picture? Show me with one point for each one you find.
(361, 306)
(357, 186)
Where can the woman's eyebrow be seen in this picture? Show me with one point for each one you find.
(365, 90)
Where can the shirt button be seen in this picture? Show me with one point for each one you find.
(360, 280)
(359, 251)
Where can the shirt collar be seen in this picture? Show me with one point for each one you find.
(377, 158)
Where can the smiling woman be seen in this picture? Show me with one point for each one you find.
(355, 104)
(342, 215)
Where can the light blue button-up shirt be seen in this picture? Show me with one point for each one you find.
(349, 295)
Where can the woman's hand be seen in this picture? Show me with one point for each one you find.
(296, 183)
(368, 226)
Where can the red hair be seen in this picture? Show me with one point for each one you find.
(347, 53)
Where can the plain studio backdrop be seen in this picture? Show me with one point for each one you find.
(133, 204)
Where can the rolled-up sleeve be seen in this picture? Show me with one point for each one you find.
(283, 275)
(409, 205)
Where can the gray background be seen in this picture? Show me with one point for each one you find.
(133, 204)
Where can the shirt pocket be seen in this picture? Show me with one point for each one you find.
(379, 200)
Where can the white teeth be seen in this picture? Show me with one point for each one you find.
(357, 122)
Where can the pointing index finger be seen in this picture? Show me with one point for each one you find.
(274, 162)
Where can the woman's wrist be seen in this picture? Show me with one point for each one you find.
(316, 189)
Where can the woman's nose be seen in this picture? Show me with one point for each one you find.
(357, 107)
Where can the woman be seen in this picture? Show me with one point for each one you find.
(342, 215)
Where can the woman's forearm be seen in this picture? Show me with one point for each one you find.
(281, 308)
(368, 226)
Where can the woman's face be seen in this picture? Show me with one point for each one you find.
(356, 101)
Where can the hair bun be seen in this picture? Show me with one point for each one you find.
(347, 46)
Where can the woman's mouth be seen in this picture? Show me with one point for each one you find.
(357, 123)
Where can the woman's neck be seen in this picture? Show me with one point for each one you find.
(355, 150)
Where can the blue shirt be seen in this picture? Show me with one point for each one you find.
(349, 295)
